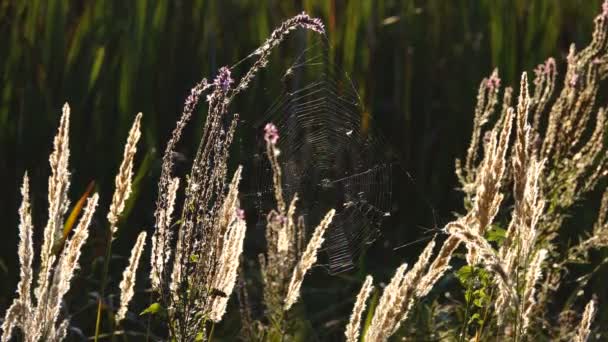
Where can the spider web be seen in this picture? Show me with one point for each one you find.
(329, 154)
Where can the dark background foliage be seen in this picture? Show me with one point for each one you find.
(416, 63)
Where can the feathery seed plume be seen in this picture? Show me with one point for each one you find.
(125, 174)
(532, 276)
(309, 257)
(161, 247)
(59, 183)
(353, 328)
(22, 305)
(129, 276)
(66, 267)
(584, 328)
(398, 298)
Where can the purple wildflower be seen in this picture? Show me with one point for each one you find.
(271, 133)
(307, 22)
(493, 82)
(223, 79)
(240, 213)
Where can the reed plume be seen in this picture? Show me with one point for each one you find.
(584, 328)
(40, 317)
(59, 183)
(129, 275)
(125, 175)
(309, 257)
(353, 327)
(22, 305)
(398, 297)
(121, 194)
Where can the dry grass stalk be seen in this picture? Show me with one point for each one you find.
(488, 196)
(233, 219)
(532, 277)
(398, 297)
(59, 183)
(281, 258)
(584, 329)
(161, 248)
(216, 288)
(67, 265)
(487, 98)
(22, 305)
(26, 247)
(544, 86)
(121, 194)
(521, 147)
(389, 297)
(353, 327)
(129, 275)
(438, 267)
(125, 175)
(517, 250)
(309, 257)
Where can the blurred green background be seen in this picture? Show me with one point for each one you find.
(417, 65)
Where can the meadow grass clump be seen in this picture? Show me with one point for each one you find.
(37, 317)
(194, 283)
(550, 151)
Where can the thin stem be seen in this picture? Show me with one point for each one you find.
(104, 277)
(148, 320)
(211, 332)
(485, 314)
(98, 321)
(465, 324)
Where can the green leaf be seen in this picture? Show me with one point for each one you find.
(484, 276)
(153, 309)
(464, 274)
(476, 317)
(97, 63)
(496, 234)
